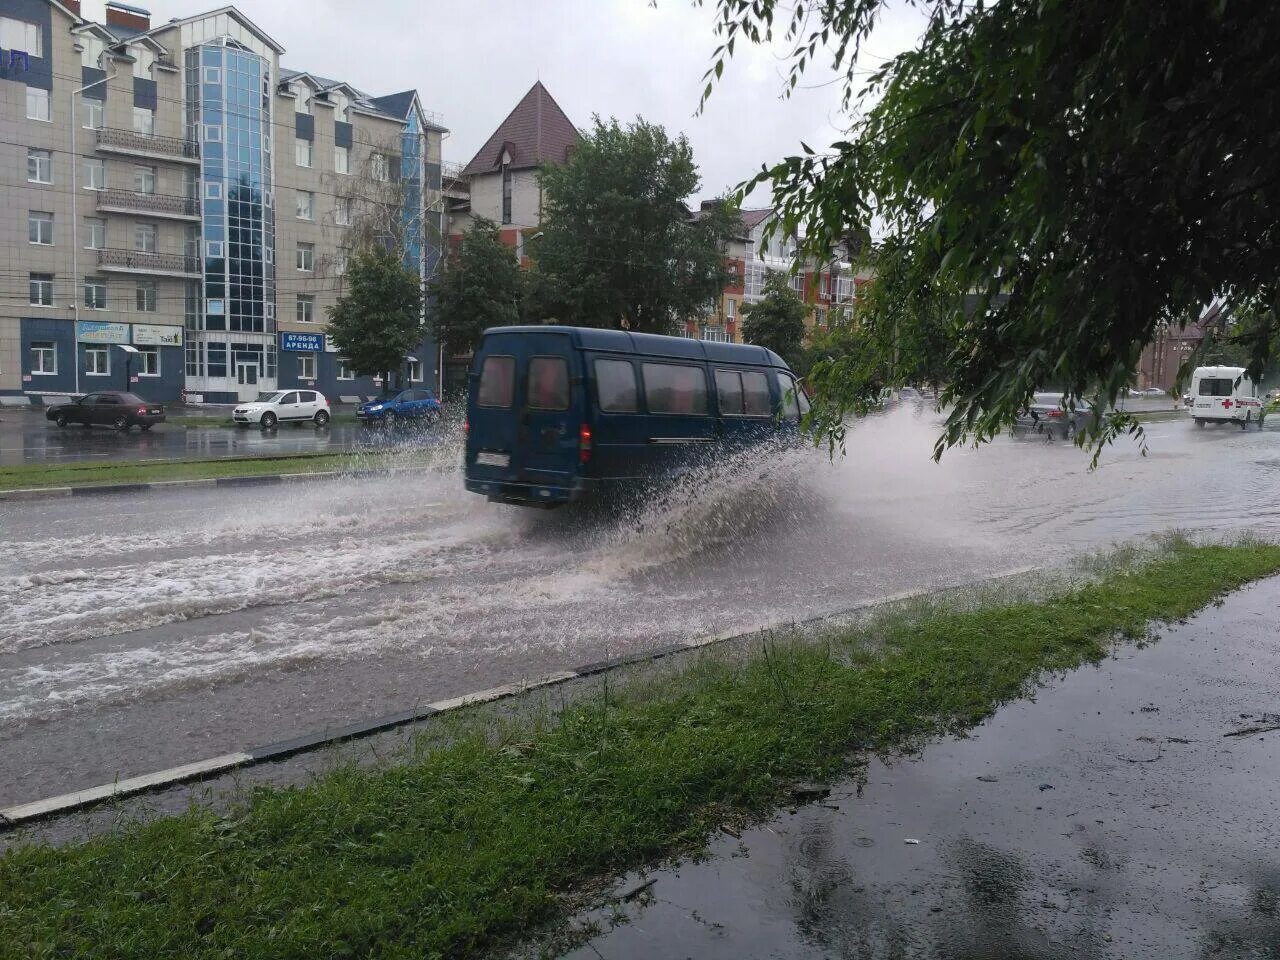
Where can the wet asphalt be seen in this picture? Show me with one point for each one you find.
(1120, 813)
(27, 437)
(139, 632)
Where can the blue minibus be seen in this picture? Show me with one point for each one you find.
(556, 414)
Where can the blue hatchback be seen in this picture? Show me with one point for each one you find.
(414, 404)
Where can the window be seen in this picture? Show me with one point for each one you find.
(303, 151)
(306, 205)
(41, 292)
(21, 35)
(144, 180)
(305, 310)
(344, 368)
(378, 168)
(213, 75)
(144, 121)
(754, 279)
(190, 184)
(342, 212)
(548, 383)
(97, 361)
(340, 263)
(144, 58)
(794, 402)
(40, 228)
(144, 237)
(39, 166)
(146, 296)
(342, 159)
(94, 48)
(148, 361)
(715, 333)
(191, 241)
(415, 371)
(731, 310)
(1217, 386)
(306, 366)
(306, 257)
(497, 382)
(91, 114)
(95, 233)
(616, 386)
(797, 283)
(95, 293)
(669, 388)
(44, 358)
(213, 191)
(341, 106)
(37, 104)
(755, 395)
(506, 193)
(212, 133)
(302, 98)
(213, 249)
(729, 392)
(95, 174)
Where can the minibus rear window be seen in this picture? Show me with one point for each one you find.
(497, 382)
(669, 388)
(1217, 387)
(548, 383)
(794, 402)
(616, 386)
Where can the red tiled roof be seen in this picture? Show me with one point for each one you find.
(535, 132)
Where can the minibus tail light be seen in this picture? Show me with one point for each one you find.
(466, 427)
(584, 443)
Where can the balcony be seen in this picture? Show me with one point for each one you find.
(151, 264)
(113, 140)
(152, 204)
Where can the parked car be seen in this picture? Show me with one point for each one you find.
(415, 404)
(1045, 415)
(294, 406)
(110, 408)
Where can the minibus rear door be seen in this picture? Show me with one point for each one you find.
(549, 441)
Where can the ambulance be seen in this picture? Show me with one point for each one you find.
(1224, 394)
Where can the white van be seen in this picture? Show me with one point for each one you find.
(1224, 394)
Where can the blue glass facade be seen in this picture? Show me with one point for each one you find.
(229, 96)
(411, 178)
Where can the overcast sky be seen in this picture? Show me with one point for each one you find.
(472, 60)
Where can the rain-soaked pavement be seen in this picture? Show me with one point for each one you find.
(27, 437)
(1122, 813)
(142, 632)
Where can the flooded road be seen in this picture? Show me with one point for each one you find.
(1125, 812)
(141, 632)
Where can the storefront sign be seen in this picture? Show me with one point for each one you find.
(307, 342)
(149, 335)
(101, 331)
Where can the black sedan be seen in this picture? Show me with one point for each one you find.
(118, 410)
(1046, 416)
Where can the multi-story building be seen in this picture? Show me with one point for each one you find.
(188, 205)
(829, 289)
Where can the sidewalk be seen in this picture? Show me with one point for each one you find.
(1127, 812)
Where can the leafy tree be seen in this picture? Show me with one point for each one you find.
(619, 246)
(378, 320)
(1058, 178)
(776, 320)
(480, 287)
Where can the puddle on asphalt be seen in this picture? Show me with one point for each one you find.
(1110, 817)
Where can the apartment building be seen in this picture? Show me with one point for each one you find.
(182, 207)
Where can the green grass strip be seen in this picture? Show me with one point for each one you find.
(470, 843)
(122, 471)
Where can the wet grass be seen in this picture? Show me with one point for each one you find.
(34, 475)
(469, 843)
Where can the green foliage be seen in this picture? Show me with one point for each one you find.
(474, 842)
(480, 287)
(619, 248)
(777, 320)
(377, 323)
(1056, 177)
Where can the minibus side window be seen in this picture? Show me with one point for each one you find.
(792, 397)
(616, 386)
(755, 394)
(729, 392)
(497, 382)
(669, 388)
(548, 383)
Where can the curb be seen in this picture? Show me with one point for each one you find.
(248, 480)
(25, 813)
